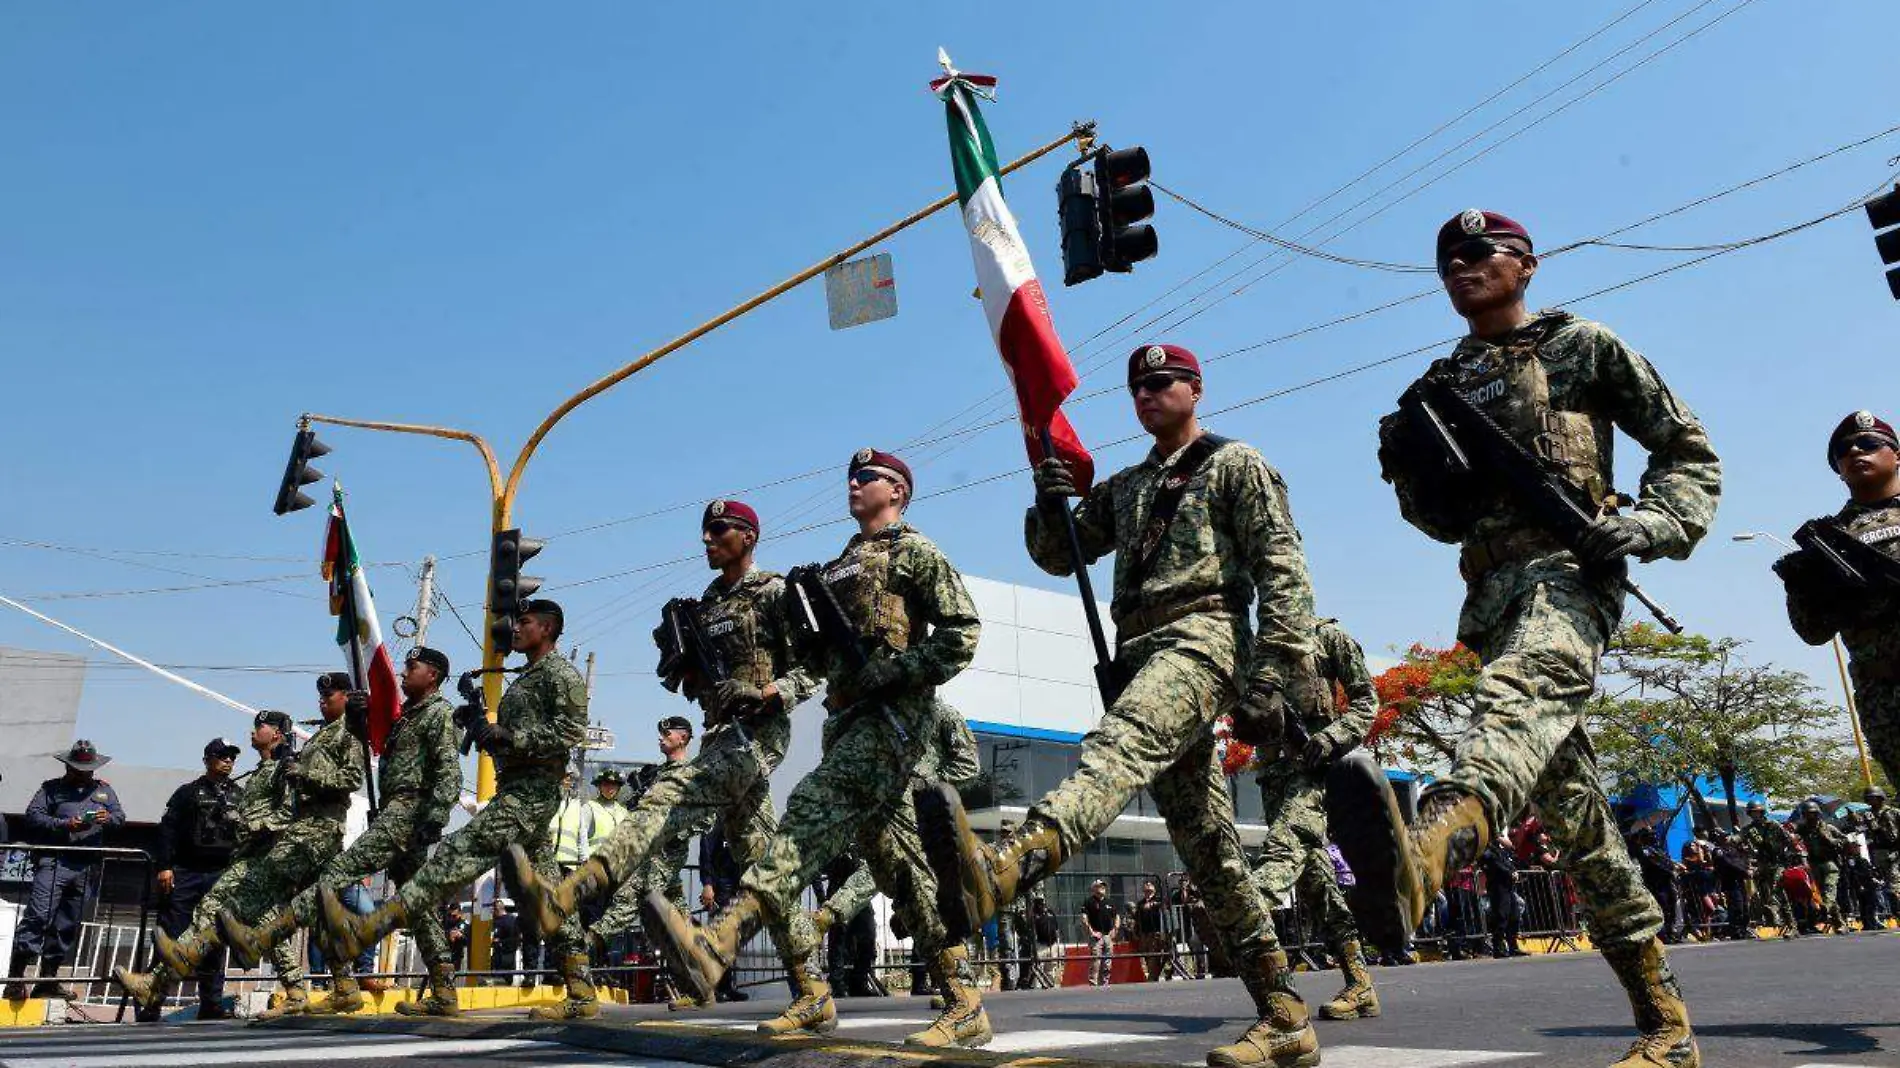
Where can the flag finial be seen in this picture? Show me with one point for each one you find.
(943, 60)
(982, 85)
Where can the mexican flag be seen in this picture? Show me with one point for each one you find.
(357, 632)
(1033, 356)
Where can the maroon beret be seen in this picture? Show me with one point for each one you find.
(869, 457)
(1150, 358)
(1861, 422)
(732, 512)
(1475, 223)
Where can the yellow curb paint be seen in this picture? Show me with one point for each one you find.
(28, 1013)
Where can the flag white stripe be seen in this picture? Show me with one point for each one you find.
(996, 247)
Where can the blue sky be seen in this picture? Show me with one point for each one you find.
(220, 215)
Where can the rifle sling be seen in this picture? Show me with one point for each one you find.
(1166, 503)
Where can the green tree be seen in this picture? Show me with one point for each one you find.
(1675, 707)
(1425, 703)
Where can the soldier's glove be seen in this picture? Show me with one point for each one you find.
(1260, 718)
(489, 736)
(873, 678)
(689, 685)
(293, 771)
(1611, 538)
(427, 834)
(738, 699)
(1054, 483)
(356, 713)
(1320, 750)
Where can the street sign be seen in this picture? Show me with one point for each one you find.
(598, 737)
(860, 291)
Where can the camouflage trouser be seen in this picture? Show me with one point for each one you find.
(1772, 898)
(388, 844)
(728, 778)
(1879, 707)
(518, 814)
(1887, 870)
(255, 884)
(1160, 734)
(852, 896)
(659, 870)
(1827, 880)
(858, 792)
(895, 855)
(1295, 850)
(1540, 630)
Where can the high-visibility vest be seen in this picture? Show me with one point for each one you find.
(572, 830)
(607, 815)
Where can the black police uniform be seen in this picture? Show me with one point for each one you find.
(196, 839)
(61, 881)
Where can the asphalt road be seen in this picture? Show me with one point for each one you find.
(1803, 1004)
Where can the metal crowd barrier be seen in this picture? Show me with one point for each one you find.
(135, 954)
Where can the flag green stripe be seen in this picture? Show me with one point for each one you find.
(972, 153)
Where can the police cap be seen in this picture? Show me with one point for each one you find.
(220, 748)
(611, 775)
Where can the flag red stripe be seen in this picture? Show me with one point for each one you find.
(385, 697)
(1040, 369)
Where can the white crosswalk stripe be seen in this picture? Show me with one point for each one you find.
(224, 1052)
(845, 1023)
(134, 1047)
(1037, 1041)
(1387, 1057)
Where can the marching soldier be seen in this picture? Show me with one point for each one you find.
(1772, 850)
(290, 818)
(196, 838)
(1539, 613)
(1293, 785)
(1199, 529)
(418, 781)
(541, 718)
(742, 617)
(1861, 452)
(72, 810)
(912, 616)
(1883, 840)
(1826, 848)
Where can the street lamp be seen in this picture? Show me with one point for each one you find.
(1840, 662)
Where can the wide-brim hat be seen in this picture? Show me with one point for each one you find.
(83, 757)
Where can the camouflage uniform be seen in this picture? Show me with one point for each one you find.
(545, 713)
(1535, 618)
(289, 828)
(910, 603)
(1188, 653)
(1826, 846)
(658, 870)
(1295, 812)
(1768, 845)
(1883, 838)
(729, 777)
(418, 781)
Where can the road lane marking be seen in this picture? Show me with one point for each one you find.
(1035, 1041)
(1387, 1057)
(252, 1055)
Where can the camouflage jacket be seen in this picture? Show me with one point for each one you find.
(1884, 830)
(1871, 632)
(952, 756)
(265, 805)
(545, 712)
(748, 624)
(939, 627)
(1232, 539)
(1592, 374)
(1343, 663)
(1826, 844)
(420, 758)
(1769, 843)
(329, 769)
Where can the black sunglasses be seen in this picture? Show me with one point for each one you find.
(718, 527)
(1158, 382)
(864, 476)
(1477, 250)
(1864, 443)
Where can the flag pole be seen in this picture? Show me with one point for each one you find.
(1105, 679)
(358, 680)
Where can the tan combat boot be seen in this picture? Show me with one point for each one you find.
(1449, 834)
(975, 880)
(544, 906)
(963, 1022)
(699, 956)
(296, 1002)
(182, 956)
(1283, 1037)
(811, 1011)
(823, 921)
(684, 1003)
(350, 934)
(249, 944)
(581, 1001)
(440, 1000)
(345, 996)
(146, 989)
(1359, 999)
(1661, 1015)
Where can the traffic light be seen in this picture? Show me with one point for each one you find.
(508, 589)
(1884, 213)
(298, 473)
(1103, 211)
(1121, 178)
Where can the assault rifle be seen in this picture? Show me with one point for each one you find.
(684, 650)
(1471, 442)
(818, 617)
(1844, 561)
(473, 707)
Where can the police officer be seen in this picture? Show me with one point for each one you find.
(1538, 613)
(1202, 532)
(742, 616)
(72, 810)
(541, 718)
(909, 612)
(196, 838)
(1862, 452)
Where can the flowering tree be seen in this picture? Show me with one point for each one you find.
(1425, 701)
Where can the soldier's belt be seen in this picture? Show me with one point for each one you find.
(1486, 555)
(524, 767)
(1141, 621)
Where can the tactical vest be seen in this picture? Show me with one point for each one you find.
(1509, 383)
(1878, 528)
(216, 828)
(861, 580)
(735, 627)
